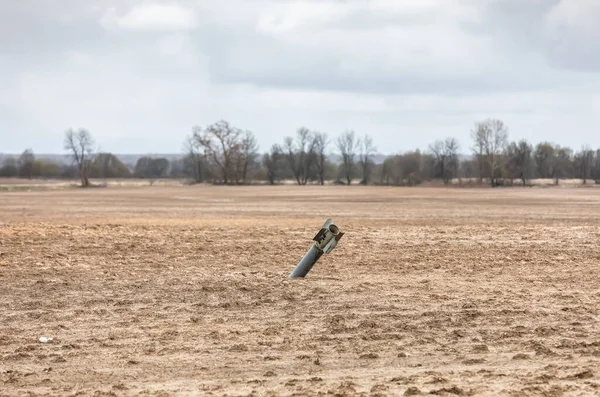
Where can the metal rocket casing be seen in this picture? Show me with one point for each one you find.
(324, 242)
(327, 238)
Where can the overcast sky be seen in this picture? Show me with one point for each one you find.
(140, 74)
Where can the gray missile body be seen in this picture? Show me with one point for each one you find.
(324, 242)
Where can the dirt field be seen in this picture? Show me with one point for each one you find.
(184, 291)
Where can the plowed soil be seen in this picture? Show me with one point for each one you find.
(184, 291)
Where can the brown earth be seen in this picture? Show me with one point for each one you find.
(184, 291)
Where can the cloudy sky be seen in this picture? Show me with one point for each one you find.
(140, 74)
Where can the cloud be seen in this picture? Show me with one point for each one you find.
(462, 48)
(179, 50)
(151, 16)
(573, 35)
(563, 33)
(140, 73)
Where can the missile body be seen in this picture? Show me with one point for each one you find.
(324, 242)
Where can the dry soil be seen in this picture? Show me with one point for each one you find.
(184, 291)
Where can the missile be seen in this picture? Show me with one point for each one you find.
(324, 242)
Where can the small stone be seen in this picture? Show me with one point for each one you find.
(481, 348)
(412, 391)
(369, 356)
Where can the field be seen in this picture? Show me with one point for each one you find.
(171, 290)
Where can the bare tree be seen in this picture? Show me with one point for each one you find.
(478, 152)
(107, 165)
(595, 172)
(26, 163)
(388, 171)
(545, 159)
(10, 167)
(300, 154)
(564, 163)
(292, 158)
(347, 145)
(491, 138)
(246, 156)
(554, 161)
(520, 160)
(437, 150)
(221, 143)
(367, 149)
(80, 144)
(321, 142)
(151, 168)
(445, 155)
(584, 162)
(306, 143)
(466, 169)
(451, 147)
(192, 149)
(411, 167)
(272, 162)
(402, 169)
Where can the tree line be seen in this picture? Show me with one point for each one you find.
(221, 153)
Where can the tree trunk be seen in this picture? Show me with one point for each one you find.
(271, 177)
(83, 175)
(321, 163)
(197, 171)
(245, 172)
